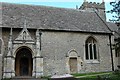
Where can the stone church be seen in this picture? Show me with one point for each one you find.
(44, 41)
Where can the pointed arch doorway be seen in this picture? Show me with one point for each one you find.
(23, 62)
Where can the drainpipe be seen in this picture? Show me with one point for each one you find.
(111, 53)
(40, 33)
(2, 65)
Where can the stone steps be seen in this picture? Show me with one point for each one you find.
(25, 78)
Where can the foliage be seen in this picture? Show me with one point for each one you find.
(116, 19)
(45, 77)
(117, 72)
(5, 79)
(115, 9)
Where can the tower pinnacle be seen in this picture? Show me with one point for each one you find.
(103, 1)
(85, 0)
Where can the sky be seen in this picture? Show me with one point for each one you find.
(61, 3)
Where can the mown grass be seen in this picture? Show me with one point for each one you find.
(103, 77)
(85, 74)
(99, 76)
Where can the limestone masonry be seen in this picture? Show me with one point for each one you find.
(44, 41)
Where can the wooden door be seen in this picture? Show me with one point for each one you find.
(23, 63)
(73, 65)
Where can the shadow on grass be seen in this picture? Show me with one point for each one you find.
(70, 78)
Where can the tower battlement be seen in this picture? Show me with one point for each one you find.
(93, 5)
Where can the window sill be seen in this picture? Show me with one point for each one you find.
(92, 61)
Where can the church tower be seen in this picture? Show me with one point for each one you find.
(93, 6)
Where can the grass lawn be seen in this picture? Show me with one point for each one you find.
(98, 76)
(85, 74)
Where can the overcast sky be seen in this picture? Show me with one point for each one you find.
(61, 3)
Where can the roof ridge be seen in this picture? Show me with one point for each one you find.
(33, 5)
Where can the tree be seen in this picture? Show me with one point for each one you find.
(116, 10)
(116, 19)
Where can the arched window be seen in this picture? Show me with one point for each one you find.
(0, 45)
(91, 49)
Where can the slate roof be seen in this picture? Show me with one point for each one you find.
(51, 18)
(114, 28)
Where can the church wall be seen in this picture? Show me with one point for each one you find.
(116, 62)
(32, 33)
(16, 32)
(5, 36)
(104, 61)
(115, 57)
(102, 14)
(56, 45)
(0, 66)
(54, 55)
(6, 33)
(1, 52)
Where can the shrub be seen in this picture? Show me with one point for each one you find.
(116, 72)
(5, 79)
